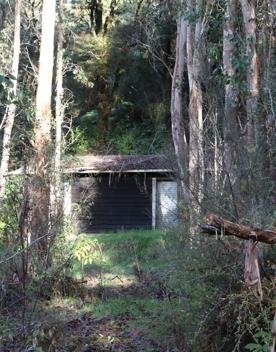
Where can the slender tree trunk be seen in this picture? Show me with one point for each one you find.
(110, 17)
(231, 93)
(217, 155)
(196, 158)
(139, 6)
(268, 65)
(59, 111)
(249, 19)
(11, 108)
(42, 129)
(189, 47)
(178, 133)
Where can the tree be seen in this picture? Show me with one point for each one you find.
(249, 19)
(178, 132)
(42, 128)
(11, 108)
(196, 158)
(101, 15)
(231, 92)
(109, 18)
(59, 108)
(121, 92)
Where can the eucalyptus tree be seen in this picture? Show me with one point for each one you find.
(101, 15)
(42, 128)
(253, 81)
(194, 67)
(10, 113)
(178, 132)
(59, 108)
(231, 133)
(190, 156)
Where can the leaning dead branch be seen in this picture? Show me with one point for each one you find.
(215, 224)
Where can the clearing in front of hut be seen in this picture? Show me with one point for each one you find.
(115, 299)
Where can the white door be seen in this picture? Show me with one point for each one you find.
(166, 204)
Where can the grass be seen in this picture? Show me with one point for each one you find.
(118, 298)
(117, 253)
(111, 261)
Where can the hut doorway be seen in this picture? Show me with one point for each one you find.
(165, 204)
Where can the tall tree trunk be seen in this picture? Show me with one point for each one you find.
(249, 19)
(110, 17)
(96, 15)
(178, 133)
(59, 111)
(196, 158)
(42, 129)
(268, 64)
(11, 108)
(190, 38)
(231, 134)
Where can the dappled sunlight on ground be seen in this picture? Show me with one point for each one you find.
(114, 298)
(111, 280)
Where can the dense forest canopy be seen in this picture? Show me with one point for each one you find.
(192, 80)
(121, 90)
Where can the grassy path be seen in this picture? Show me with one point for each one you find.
(122, 303)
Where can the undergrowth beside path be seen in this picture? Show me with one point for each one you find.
(144, 291)
(115, 299)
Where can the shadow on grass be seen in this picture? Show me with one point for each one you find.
(122, 305)
(117, 254)
(116, 324)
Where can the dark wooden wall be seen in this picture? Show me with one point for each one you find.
(113, 202)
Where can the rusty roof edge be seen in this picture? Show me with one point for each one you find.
(94, 171)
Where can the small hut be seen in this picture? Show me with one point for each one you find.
(114, 193)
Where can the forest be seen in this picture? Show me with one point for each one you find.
(137, 175)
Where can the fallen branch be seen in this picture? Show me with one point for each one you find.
(214, 225)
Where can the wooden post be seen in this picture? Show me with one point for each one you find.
(153, 202)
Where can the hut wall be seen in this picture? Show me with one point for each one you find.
(112, 202)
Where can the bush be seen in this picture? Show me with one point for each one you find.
(215, 312)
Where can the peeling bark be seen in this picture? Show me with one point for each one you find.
(196, 159)
(252, 277)
(178, 132)
(215, 224)
(42, 128)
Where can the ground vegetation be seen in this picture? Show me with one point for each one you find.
(194, 79)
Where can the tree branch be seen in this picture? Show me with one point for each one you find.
(214, 224)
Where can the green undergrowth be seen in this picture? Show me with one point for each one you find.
(140, 312)
(112, 281)
(153, 291)
(117, 253)
(121, 279)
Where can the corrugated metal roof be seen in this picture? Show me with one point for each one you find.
(112, 163)
(119, 163)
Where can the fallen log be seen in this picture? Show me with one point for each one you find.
(215, 224)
